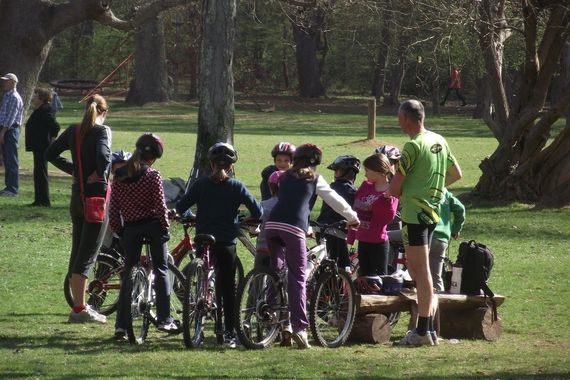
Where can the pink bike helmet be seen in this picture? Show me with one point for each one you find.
(150, 143)
(274, 177)
(309, 154)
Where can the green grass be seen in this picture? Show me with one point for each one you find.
(531, 268)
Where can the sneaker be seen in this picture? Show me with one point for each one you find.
(286, 339)
(230, 340)
(434, 338)
(413, 339)
(7, 193)
(171, 327)
(120, 334)
(87, 315)
(300, 337)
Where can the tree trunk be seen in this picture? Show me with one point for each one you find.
(285, 58)
(521, 168)
(216, 112)
(308, 43)
(194, 50)
(150, 82)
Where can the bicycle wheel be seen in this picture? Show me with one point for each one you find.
(260, 308)
(239, 273)
(193, 305)
(139, 298)
(178, 284)
(102, 292)
(332, 309)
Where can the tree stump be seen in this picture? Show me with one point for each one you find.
(475, 323)
(370, 328)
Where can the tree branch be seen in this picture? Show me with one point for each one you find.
(142, 15)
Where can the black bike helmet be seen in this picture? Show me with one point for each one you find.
(309, 153)
(345, 163)
(222, 154)
(150, 143)
(283, 148)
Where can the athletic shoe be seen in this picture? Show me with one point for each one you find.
(300, 337)
(6, 193)
(230, 340)
(120, 334)
(171, 327)
(87, 315)
(434, 338)
(286, 339)
(413, 339)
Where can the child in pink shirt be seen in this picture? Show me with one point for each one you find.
(375, 212)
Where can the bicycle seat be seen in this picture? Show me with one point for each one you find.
(201, 239)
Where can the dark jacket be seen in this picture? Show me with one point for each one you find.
(41, 128)
(345, 189)
(95, 156)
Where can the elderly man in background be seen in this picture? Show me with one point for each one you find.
(11, 113)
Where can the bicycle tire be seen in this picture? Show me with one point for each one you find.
(260, 309)
(332, 309)
(239, 275)
(193, 307)
(138, 315)
(178, 286)
(102, 291)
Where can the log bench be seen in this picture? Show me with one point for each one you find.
(458, 316)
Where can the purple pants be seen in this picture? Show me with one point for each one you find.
(292, 250)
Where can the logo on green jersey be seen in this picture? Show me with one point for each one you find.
(436, 148)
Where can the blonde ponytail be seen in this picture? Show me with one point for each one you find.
(96, 105)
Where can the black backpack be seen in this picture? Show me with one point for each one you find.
(477, 261)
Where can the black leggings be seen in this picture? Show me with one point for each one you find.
(373, 258)
(225, 256)
(338, 250)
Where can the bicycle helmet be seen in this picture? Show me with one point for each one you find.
(120, 156)
(222, 154)
(150, 143)
(390, 151)
(309, 153)
(369, 285)
(274, 177)
(283, 148)
(345, 163)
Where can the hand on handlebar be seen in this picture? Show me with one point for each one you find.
(353, 224)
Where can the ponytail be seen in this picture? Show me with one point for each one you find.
(96, 105)
(302, 170)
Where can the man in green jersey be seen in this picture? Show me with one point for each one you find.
(426, 168)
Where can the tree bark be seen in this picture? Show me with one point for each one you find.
(216, 94)
(378, 83)
(150, 82)
(28, 27)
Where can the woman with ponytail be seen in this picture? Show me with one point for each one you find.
(218, 198)
(138, 210)
(95, 147)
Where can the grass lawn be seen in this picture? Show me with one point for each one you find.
(531, 267)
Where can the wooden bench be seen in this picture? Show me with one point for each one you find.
(458, 316)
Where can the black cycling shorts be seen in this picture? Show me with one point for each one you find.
(414, 235)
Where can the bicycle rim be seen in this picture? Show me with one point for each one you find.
(332, 309)
(193, 313)
(103, 290)
(259, 309)
(138, 316)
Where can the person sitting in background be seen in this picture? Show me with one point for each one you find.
(41, 129)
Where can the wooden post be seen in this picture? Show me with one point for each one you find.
(371, 118)
(371, 328)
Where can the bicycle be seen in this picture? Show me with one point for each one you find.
(200, 301)
(102, 292)
(262, 303)
(141, 297)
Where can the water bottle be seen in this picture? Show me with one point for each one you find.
(456, 272)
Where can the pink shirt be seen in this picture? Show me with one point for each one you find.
(374, 212)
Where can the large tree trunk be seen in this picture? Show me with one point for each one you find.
(378, 83)
(308, 34)
(28, 27)
(150, 82)
(522, 168)
(216, 112)
(194, 50)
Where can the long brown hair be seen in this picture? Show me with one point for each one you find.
(96, 105)
(379, 163)
(302, 170)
